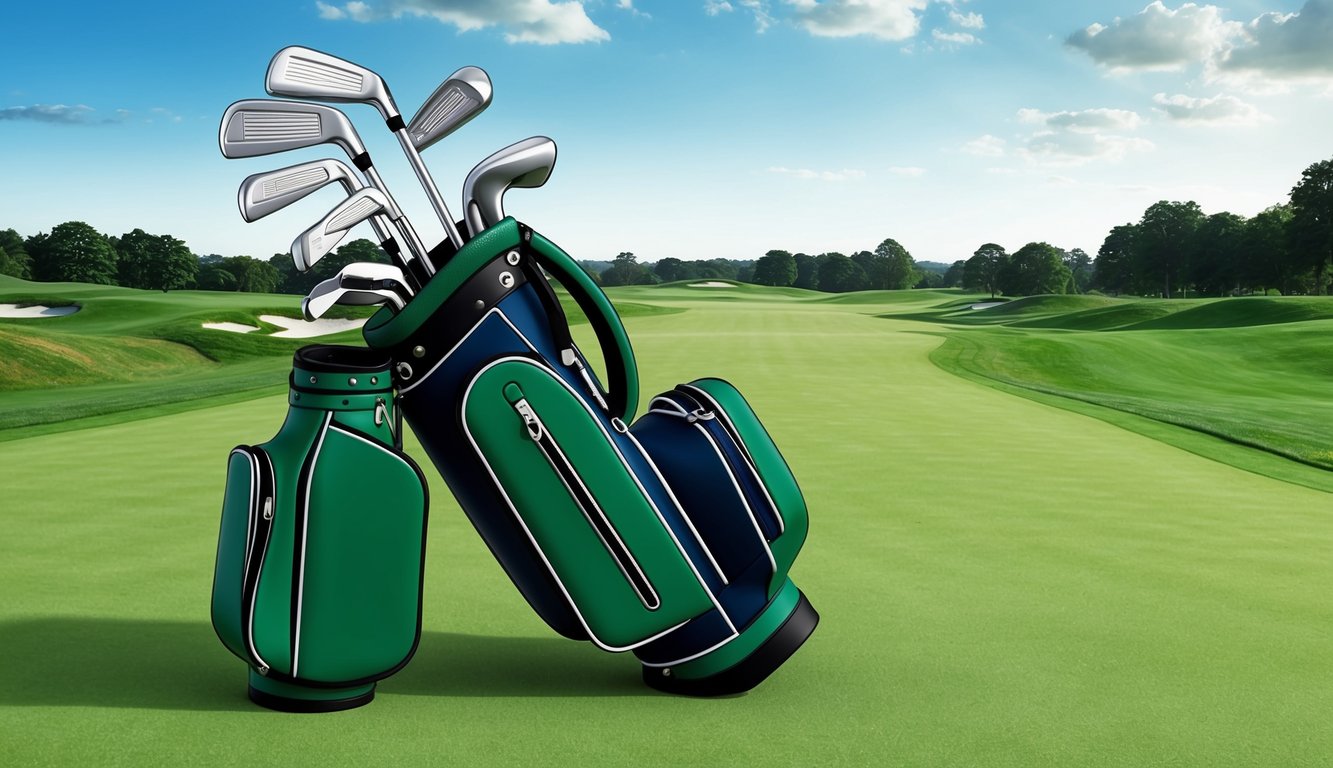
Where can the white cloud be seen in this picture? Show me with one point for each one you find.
(714, 7)
(544, 22)
(1084, 121)
(883, 19)
(967, 20)
(910, 171)
(956, 38)
(1158, 38)
(809, 175)
(77, 114)
(1292, 45)
(1219, 109)
(986, 146)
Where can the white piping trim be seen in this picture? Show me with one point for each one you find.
(305, 532)
(509, 502)
(745, 454)
(722, 459)
(250, 628)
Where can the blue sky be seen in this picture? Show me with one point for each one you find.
(696, 128)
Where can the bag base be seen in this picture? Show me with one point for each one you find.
(288, 697)
(774, 635)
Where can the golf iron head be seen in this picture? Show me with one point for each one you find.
(305, 73)
(314, 243)
(255, 127)
(461, 97)
(526, 164)
(332, 291)
(264, 193)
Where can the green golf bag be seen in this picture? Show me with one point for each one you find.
(319, 568)
(670, 536)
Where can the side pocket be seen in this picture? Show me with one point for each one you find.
(247, 524)
(564, 478)
(359, 559)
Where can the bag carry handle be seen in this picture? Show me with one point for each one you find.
(621, 371)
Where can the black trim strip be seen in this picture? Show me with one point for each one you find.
(396, 123)
(305, 706)
(362, 162)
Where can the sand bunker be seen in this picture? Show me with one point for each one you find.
(987, 304)
(36, 310)
(302, 329)
(233, 327)
(711, 284)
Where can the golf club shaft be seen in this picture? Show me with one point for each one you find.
(415, 246)
(432, 192)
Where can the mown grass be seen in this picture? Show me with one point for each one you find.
(1001, 583)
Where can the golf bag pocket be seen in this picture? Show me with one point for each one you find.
(320, 554)
(565, 479)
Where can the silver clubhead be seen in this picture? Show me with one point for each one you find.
(463, 96)
(264, 193)
(324, 295)
(305, 73)
(314, 243)
(526, 164)
(254, 127)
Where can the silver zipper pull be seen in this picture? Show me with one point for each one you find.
(268, 508)
(699, 414)
(529, 419)
(382, 416)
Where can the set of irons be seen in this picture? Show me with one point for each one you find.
(255, 127)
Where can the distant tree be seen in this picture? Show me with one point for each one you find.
(899, 268)
(15, 262)
(717, 269)
(1080, 270)
(807, 272)
(1113, 270)
(671, 269)
(1311, 227)
(839, 274)
(626, 270)
(1268, 259)
(215, 277)
(929, 279)
(252, 275)
(155, 262)
(73, 252)
(1034, 269)
(953, 277)
(982, 271)
(775, 268)
(1217, 251)
(1162, 246)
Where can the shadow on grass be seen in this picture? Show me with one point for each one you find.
(178, 665)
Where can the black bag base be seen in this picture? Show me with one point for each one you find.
(750, 671)
(306, 699)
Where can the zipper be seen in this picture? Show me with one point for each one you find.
(583, 498)
(261, 526)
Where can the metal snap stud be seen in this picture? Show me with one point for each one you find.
(418, 351)
(512, 258)
(506, 280)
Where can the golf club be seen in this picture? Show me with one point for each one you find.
(526, 164)
(305, 73)
(461, 97)
(324, 236)
(263, 193)
(255, 127)
(374, 271)
(324, 295)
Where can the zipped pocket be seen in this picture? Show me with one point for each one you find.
(247, 528)
(562, 474)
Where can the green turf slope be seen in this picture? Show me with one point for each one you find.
(1001, 583)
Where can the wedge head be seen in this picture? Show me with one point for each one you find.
(461, 97)
(316, 242)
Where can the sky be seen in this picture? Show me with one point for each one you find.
(693, 128)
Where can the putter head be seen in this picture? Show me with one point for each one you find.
(329, 292)
(526, 164)
(304, 73)
(374, 272)
(254, 127)
(461, 97)
(314, 243)
(263, 193)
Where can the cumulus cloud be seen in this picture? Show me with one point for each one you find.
(1067, 148)
(1158, 38)
(62, 114)
(1219, 109)
(544, 22)
(955, 38)
(986, 146)
(967, 20)
(1084, 121)
(1286, 45)
(883, 19)
(714, 7)
(809, 175)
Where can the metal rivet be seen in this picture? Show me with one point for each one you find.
(512, 258)
(418, 351)
(506, 280)
(374, 379)
(480, 304)
(313, 379)
(666, 672)
(297, 396)
(351, 382)
(345, 402)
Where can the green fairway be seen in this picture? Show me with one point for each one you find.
(1002, 580)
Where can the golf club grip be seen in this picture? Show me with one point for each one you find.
(621, 369)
